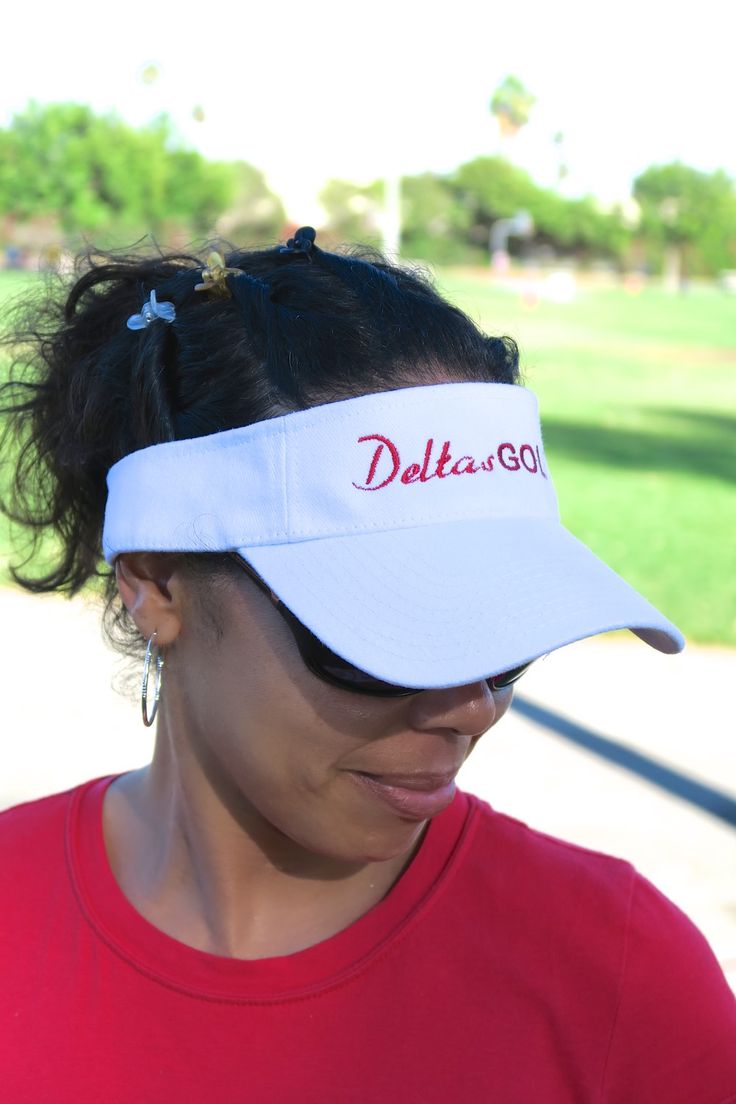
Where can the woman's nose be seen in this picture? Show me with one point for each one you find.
(466, 710)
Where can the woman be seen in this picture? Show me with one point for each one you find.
(326, 508)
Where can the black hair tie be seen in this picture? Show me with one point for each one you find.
(302, 241)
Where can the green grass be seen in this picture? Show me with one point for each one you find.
(638, 400)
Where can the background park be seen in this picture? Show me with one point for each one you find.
(622, 300)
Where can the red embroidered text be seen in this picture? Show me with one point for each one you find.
(385, 464)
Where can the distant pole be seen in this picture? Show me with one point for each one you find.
(391, 221)
(520, 226)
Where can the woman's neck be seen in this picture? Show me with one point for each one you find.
(205, 868)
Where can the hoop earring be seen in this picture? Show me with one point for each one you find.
(159, 661)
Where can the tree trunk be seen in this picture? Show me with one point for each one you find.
(672, 268)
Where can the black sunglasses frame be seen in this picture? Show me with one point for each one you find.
(319, 658)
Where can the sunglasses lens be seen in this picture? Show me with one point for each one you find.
(341, 673)
(508, 678)
(344, 674)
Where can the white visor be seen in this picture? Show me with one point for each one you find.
(415, 532)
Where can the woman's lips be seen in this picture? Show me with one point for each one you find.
(415, 796)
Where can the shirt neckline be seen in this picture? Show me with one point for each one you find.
(330, 963)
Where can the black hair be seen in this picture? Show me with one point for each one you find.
(284, 329)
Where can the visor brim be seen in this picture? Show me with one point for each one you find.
(449, 604)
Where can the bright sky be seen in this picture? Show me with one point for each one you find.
(309, 91)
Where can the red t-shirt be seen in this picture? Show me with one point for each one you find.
(504, 966)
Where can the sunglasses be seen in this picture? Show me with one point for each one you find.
(337, 671)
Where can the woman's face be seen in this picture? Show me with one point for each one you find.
(340, 774)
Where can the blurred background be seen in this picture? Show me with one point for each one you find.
(566, 173)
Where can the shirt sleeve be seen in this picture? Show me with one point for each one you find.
(674, 1037)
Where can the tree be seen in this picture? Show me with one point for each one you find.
(353, 211)
(100, 176)
(511, 104)
(447, 219)
(436, 221)
(492, 188)
(256, 215)
(688, 217)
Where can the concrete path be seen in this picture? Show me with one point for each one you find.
(62, 722)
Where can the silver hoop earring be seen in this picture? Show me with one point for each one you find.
(159, 662)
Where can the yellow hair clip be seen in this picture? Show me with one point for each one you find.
(213, 276)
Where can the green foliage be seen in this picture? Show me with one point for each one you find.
(492, 188)
(512, 103)
(436, 220)
(197, 191)
(447, 219)
(99, 176)
(255, 217)
(353, 212)
(691, 210)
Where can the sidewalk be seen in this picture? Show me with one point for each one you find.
(63, 723)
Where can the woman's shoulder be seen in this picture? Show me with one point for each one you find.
(540, 859)
(603, 950)
(32, 833)
(34, 815)
(601, 913)
(594, 903)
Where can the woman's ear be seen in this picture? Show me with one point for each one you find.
(144, 580)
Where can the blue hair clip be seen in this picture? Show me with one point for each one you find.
(150, 310)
